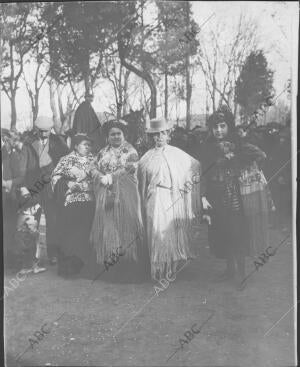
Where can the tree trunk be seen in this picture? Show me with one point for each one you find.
(143, 75)
(87, 83)
(125, 102)
(35, 110)
(166, 95)
(60, 107)
(56, 120)
(13, 110)
(146, 76)
(119, 97)
(234, 110)
(188, 81)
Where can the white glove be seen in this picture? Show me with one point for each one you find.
(78, 174)
(106, 180)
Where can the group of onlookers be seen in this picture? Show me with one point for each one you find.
(96, 203)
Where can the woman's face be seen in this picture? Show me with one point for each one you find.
(115, 137)
(161, 138)
(220, 131)
(84, 148)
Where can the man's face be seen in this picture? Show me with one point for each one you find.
(161, 138)
(44, 134)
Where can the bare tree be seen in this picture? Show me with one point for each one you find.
(36, 58)
(118, 77)
(221, 59)
(15, 44)
(62, 116)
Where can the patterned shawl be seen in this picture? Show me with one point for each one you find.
(70, 168)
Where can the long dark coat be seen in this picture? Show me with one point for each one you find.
(86, 121)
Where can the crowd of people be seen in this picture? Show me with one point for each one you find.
(108, 202)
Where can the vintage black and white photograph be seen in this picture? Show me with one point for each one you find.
(149, 153)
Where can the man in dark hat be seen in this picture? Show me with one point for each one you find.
(86, 121)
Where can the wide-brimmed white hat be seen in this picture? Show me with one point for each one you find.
(157, 125)
(44, 123)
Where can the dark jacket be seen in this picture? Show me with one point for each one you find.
(31, 172)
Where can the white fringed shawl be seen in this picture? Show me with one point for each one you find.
(168, 213)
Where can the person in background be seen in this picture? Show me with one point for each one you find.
(179, 138)
(72, 187)
(43, 152)
(23, 224)
(26, 240)
(249, 134)
(168, 213)
(242, 131)
(9, 200)
(26, 235)
(278, 172)
(86, 122)
(196, 140)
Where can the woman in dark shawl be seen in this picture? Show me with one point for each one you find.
(224, 158)
(86, 122)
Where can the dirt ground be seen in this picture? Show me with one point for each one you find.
(149, 326)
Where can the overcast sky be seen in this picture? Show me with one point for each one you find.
(275, 21)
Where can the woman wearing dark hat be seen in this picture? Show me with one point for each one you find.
(72, 186)
(224, 158)
(170, 193)
(117, 224)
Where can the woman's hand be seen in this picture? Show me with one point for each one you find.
(106, 180)
(71, 184)
(78, 174)
(81, 176)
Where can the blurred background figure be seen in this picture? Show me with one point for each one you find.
(179, 138)
(9, 200)
(26, 241)
(278, 172)
(86, 122)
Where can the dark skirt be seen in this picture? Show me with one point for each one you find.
(75, 250)
(124, 270)
(228, 234)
